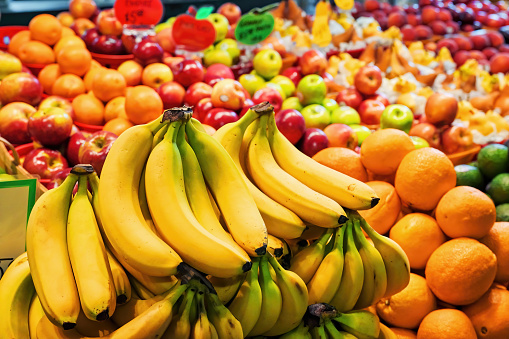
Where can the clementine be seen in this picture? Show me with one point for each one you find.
(343, 160)
(131, 70)
(142, 104)
(117, 125)
(446, 324)
(74, 60)
(89, 77)
(47, 77)
(35, 52)
(384, 214)
(45, 28)
(68, 42)
(108, 84)
(88, 109)
(403, 333)
(17, 40)
(115, 108)
(68, 86)
(66, 31)
(497, 241)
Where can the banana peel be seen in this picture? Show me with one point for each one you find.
(444, 55)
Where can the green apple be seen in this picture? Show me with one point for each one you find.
(397, 116)
(8, 64)
(267, 63)
(330, 104)
(217, 56)
(7, 177)
(286, 84)
(292, 103)
(311, 90)
(277, 87)
(316, 116)
(361, 131)
(419, 142)
(345, 115)
(221, 25)
(251, 82)
(231, 47)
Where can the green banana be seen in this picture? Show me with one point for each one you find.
(362, 324)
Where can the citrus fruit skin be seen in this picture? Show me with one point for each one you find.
(503, 212)
(468, 175)
(493, 159)
(446, 324)
(498, 189)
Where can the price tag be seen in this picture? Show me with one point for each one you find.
(321, 30)
(192, 34)
(136, 12)
(253, 28)
(204, 12)
(345, 5)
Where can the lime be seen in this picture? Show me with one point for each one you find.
(467, 175)
(498, 189)
(503, 212)
(493, 159)
(473, 163)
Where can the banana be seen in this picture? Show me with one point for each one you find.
(375, 276)
(362, 324)
(308, 204)
(230, 191)
(226, 325)
(295, 299)
(343, 189)
(247, 304)
(396, 262)
(120, 279)
(48, 255)
(299, 332)
(325, 282)
(272, 301)
(35, 315)
(16, 291)
(386, 333)
(275, 246)
(90, 328)
(280, 221)
(334, 333)
(307, 261)
(318, 332)
(139, 289)
(352, 278)
(164, 182)
(180, 327)
(89, 260)
(203, 328)
(227, 288)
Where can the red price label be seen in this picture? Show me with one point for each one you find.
(192, 34)
(138, 12)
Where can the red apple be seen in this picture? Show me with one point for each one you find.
(494, 21)
(341, 135)
(379, 97)
(107, 44)
(58, 177)
(349, 97)
(414, 19)
(489, 52)
(89, 36)
(496, 38)
(370, 111)
(291, 124)
(428, 132)
(441, 109)
(477, 55)
(480, 42)
(452, 27)
(312, 62)
(44, 162)
(217, 72)
(269, 94)
(231, 11)
(368, 79)
(80, 25)
(95, 149)
(188, 72)
(248, 103)
(229, 94)
(293, 73)
(108, 24)
(20, 87)
(196, 92)
(444, 15)
(464, 44)
(408, 33)
(461, 57)
(438, 27)
(481, 16)
(467, 17)
(14, 122)
(504, 48)
(73, 146)
(456, 139)
(371, 5)
(56, 101)
(50, 126)
(397, 19)
(172, 94)
(500, 63)
(429, 14)
(313, 141)
(450, 44)
(218, 117)
(147, 52)
(201, 108)
(423, 32)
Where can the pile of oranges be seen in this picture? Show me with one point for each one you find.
(459, 255)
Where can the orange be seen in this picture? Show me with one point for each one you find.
(45, 28)
(68, 86)
(490, 314)
(461, 270)
(66, 31)
(68, 42)
(115, 108)
(383, 150)
(497, 241)
(384, 214)
(446, 324)
(89, 77)
(419, 236)
(132, 71)
(88, 109)
(117, 125)
(74, 60)
(423, 177)
(403, 333)
(95, 64)
(343, 160)
(142, 104)
(465, 211)
(35, 52)
(47, 77)
(108, 84)
(408, 307)
(17, 40)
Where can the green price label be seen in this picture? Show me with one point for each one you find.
(204, 12)
(253, 28)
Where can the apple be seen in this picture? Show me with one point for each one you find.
(286, 84)
(313, 62)
(293, 73)
(489, 52)
(408, 33)
(251, 82)
(292, 103)
(277, 87)
(397, 19)
(95, 149)
(368, 79)
(419, 142)
(89, 36)
(313, 141)
(50, 126)
(58, 177)
(269, 94)
(345, 115)
(423, 32)
(371, 5)
(108, 24)
(414, 19)
(156, 74)
(494, 21)
(291, 124)
(379, 97)
(371, 111)
(82, 8)
(499, 63)
(218, 72)
(330, 104)
(228, 94)
(456, 139)
(73, 146)
(267, 63)
(196, 92)
(221, 25)
(316, 116)
(22, 87)
(217, 56)
(147, 51)
(248, 103)
(172, 94)
(361, 131)
(231, 47)
(230, 11)
(461, 57)
(341, 135)
(480, 42)
(450, 44)
(311, 90)
(10, 64)
(349, 97)
(496, 38)
(188, 72)
(397, 116)
(441, 109)
(80, 25)
(201, 108)
(14, 122)
(218, 117)
(107, 44)
(428, 132)
(56, 101)
(44, 162)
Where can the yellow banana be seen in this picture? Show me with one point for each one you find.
(89, 260)
(16, 291)
(119, 207)
(35, 315)
(275, 246)
(334, 333)
(139, 289)
(227, 288)
(279, 220)
(203, 328)
(295, 299)
(308, 204)
(180, 327)
(352, 278)
(226, 325)
(247, 304)
(164, 182)
(120, 279)
(307, 261)
(90, 328)
(299, 332)
(386, 333)
(48, 255)
(325, 282)
(345, 190)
